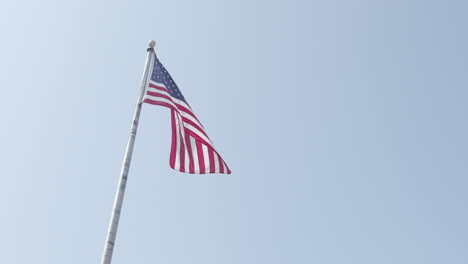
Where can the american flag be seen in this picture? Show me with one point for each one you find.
(192, 150)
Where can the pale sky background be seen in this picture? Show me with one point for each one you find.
(344, 123)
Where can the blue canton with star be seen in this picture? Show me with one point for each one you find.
(161, 75)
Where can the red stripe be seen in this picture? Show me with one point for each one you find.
(158, 87)
(181, 152)
(221, 165)
(188, 111)
(189, 149)
(154, 94)
(201, 159)
(211, 156)
(228, 170)
(188, 121)
(211, 153)
(173, 144)
(198, 138)
(185, 120)
(149, 101)
(203, 142)
(179, 107)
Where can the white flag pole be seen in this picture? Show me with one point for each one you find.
(114, 222)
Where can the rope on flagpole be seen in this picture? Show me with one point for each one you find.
(114, 222)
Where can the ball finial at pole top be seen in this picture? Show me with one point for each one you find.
(152, 43)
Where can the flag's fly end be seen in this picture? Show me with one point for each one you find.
(191, 150)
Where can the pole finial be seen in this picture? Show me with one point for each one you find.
(152, 43)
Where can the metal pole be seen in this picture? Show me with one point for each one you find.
(114, 222)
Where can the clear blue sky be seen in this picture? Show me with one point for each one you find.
(344, 123)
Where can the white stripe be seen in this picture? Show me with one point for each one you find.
(206, 158)
(158, 84)
(216, 161)
(183, 142)
(154, 90)
(182, 103)
(196, 131)
(191, 118)
(159, 99)
(187, 114)
(195, 155)
(173, 102)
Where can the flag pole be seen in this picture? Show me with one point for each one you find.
(114, 222)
